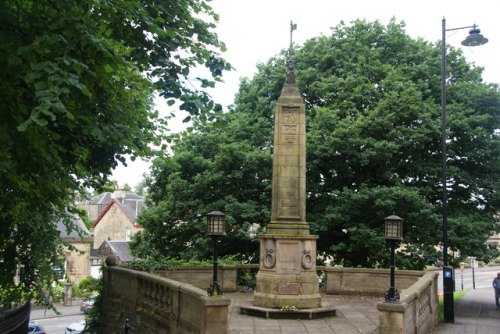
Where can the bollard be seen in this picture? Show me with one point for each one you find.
(68, 294)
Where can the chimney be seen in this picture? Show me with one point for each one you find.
(119, 195)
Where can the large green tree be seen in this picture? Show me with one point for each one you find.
(372, 96)
(77, 83)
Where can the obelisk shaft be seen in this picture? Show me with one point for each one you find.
(288, 213)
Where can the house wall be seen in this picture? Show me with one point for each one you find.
(78, 262)
(113, 226)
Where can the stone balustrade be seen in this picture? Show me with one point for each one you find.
(417, 310)
(155, 304)
(365, 281)
(15, 321)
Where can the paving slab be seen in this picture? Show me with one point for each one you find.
(355, 315)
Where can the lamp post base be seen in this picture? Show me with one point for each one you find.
(214, 289)
(392, 296)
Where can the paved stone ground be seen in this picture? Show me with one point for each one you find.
(476, 313)
(354, 315)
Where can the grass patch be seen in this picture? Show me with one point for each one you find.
(457, 295)
(431, 267)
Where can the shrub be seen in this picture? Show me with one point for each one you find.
(88, 284)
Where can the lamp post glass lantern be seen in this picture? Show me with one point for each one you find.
(215, 229)
(393, 233)
(473, 39)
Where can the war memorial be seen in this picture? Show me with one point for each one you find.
(287, 284)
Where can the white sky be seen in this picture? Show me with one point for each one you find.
(255, 30)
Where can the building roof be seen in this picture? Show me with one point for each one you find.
(130, 203)
(107, 197)
(78, 226)
(131, 208)
(120, 249)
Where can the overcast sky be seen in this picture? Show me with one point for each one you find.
(255, 30)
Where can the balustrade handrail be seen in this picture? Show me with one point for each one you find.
(12, 319)
(133, 294)
(416, 311)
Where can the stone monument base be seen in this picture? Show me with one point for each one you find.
(324, 311)
(287, 276)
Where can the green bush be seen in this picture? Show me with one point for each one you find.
(57, 292)
(246, 278)
(88, 284)
(165, 263)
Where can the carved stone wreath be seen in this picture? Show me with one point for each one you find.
(269, 259)
(307, 260)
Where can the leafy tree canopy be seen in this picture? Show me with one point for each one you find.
(77, 85)
(372, 96)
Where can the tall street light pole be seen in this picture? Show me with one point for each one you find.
(474, 39)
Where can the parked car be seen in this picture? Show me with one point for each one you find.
(76, 328)
(36, 328)
(87, 304)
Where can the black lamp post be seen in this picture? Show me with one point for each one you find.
(393, 233)
(216, 228)
(474, 39)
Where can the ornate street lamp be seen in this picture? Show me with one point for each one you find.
(216, 229)
(474, 39)
(393, 233)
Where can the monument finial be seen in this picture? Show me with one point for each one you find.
(293, 26)
(290, 78)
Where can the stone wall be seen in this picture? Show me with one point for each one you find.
(417, 310)
(159, 305)
(365, 281)
(201, 276)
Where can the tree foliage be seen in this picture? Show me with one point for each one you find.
(77, 84)
(372, 97)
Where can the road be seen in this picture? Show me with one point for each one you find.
(483, 278)
(56, 324)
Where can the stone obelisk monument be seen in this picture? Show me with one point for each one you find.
(287, 272)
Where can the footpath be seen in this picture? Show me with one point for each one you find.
(39, 312)
(475, 313)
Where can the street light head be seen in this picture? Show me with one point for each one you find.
(216, 223)
(393, 228)
(474, 38)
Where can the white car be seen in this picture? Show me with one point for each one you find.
(76, 328)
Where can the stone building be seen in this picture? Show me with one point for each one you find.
(114, 218)
(118, 220)
(76, 262)
(96, 205)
